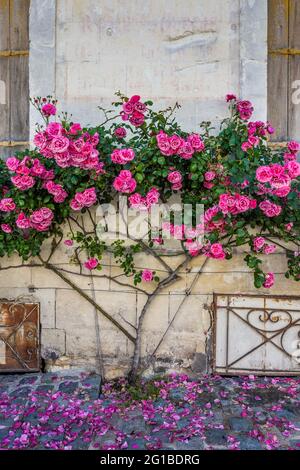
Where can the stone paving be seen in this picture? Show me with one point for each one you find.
(67, 411)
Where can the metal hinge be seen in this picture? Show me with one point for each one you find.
(287, 51)
(13, 53)
(13, 143)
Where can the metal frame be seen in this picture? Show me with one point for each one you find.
(25, 367)
(267, 316)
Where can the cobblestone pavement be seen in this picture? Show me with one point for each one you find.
(65, 411)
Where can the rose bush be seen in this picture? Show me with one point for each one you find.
(249, 191)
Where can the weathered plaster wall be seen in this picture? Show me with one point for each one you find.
(69, 322)
(193, 51)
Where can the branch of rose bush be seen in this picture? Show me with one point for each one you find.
(80, 291)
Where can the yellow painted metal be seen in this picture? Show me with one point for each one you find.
(286, 52)
(13, 143)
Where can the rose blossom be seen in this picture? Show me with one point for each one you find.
(258, 243)
(209, 175)
(245, 109)
(186, 151)
(152, 197)
(230, 97)
(122, 156)
(124, 182)
(40, 140)
(269, 208)
(7, 204)
(137, 201)
(293, 168)
(288, 227)
(68, 242)
(196, 142)
(269, 281)
(22, 221)
(293, 146)
(41, 219)
(175, 142)
(6, 228)
(263, 174)
(85, 198)
(147, 275)
(49, 109)
(269, 249)
(23, 182)
(216, 251)
(75, 128)
(174, 177)
(12, 163)
(54, 129)
(91, 263)
(59, 144)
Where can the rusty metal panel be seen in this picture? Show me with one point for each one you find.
(19, 336)
(256, 334)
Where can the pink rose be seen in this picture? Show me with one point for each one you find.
(59, 144)
(137, 119)
(283, 191)
(242, 203)
(75, 128)
(68, 242)
(269, 249)
(263, 174)
(186, 151)
(230, 97)
(196, 142)
(41, 219)
(49, 109)
(245, 109)
(120, 132)
(54, 129)
(86, 198)
(209, 175)
(293, 146)
(147, 275)
(269, 280)
(91, 263)
(246, 146)
(40, 140)
(23, 182)
(269, 208)
(293, 168)
(152, 197)
(288, 227)
(122, 156)
(12, 163)
(174, 177)
(128, 107)
(216, 251)
(22, 221)
(175, 142)
(6, 228)
(124, 183)
(258, 243)
(7, 204)
(137, 201)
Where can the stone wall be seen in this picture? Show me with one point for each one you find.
(70, 324)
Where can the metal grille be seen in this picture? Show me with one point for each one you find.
(19, 337)
(256, 334)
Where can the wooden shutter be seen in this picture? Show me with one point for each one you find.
(283, 67)
(14, 76)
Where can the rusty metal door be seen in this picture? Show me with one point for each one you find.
(19, 336)
(256, 334)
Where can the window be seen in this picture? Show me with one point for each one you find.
(14, 75)
(284, 68)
